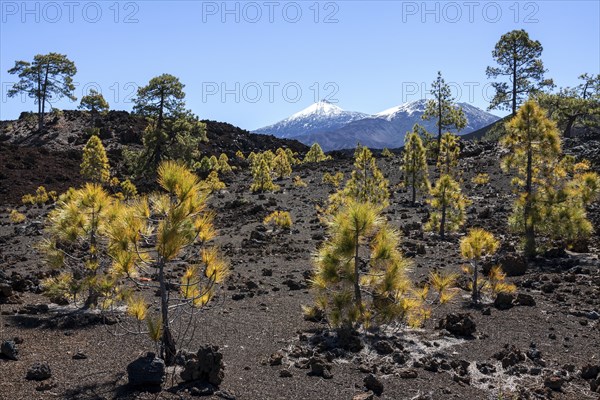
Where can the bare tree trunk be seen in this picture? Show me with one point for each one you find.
(168, 349)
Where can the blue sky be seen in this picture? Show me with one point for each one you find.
(254, 63)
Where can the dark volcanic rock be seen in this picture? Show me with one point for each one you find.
(319, 367)
(554, 382)
(39, 372)
(590, 371)
(512, 264)
(204, 366)
(9, 350)
(525, 300)
(374, 384)
(458, 324)
(504, 301)
(147, 372)
(509, 356)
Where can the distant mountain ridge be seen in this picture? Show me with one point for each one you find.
(334, 128)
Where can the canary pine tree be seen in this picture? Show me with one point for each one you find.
(315, 154)
(442, 109)
(95, 166)
(519, 61)
(95, 103)
(448, 154)
(414, 165)
(281, 165)
(448, 205)
(261, 175)
(212, 183)
(477, 244)
(224, 166)
(359, 274)
(565, 195)
(534, 149)
(367, 183)
(47, 77)
(178, 225)
(75, 242)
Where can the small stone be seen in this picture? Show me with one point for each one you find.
(408, 374)
(363, 396)
(285, 373)
(202, 389)
(525, 300)
(147, 371)
(372, 383)
(589, 371)
(9, 350)
(39, 372)
(504, 301)
(383, 347)
(554, 382)
(79, 356)
(275, 359)
(318, 367)
(204, 366)
(44, 386)
(458, 324)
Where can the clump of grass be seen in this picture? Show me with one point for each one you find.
(281, 219)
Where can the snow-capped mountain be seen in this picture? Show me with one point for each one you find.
(321, 116)
(334, 128)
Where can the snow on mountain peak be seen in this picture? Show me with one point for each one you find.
(409, 108)
(321, 108)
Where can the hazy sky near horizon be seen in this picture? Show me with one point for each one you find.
(252, 63)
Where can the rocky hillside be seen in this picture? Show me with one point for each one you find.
(64, 131)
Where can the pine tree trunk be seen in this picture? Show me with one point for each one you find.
(168, 349)
(439, 138)
(357, 295)
(443, 220)
(475, 291)
(93, 295)
(530, 250)
(570, 122)
(514, 88)
(443, 223)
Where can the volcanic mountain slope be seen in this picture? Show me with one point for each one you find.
(64, 131)
(540, 344)
(52, 158)
(324, 124)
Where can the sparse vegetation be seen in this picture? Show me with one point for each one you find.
(16, 217)
(261, 175)
(476, 245)
(281, 165)
(414, 165)
(299, 182)
(281, 219)
(334, 180)
(94, 166)
(448, 205)
(353, 295)
(212, 183)
(481, 179)
(315, 154)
